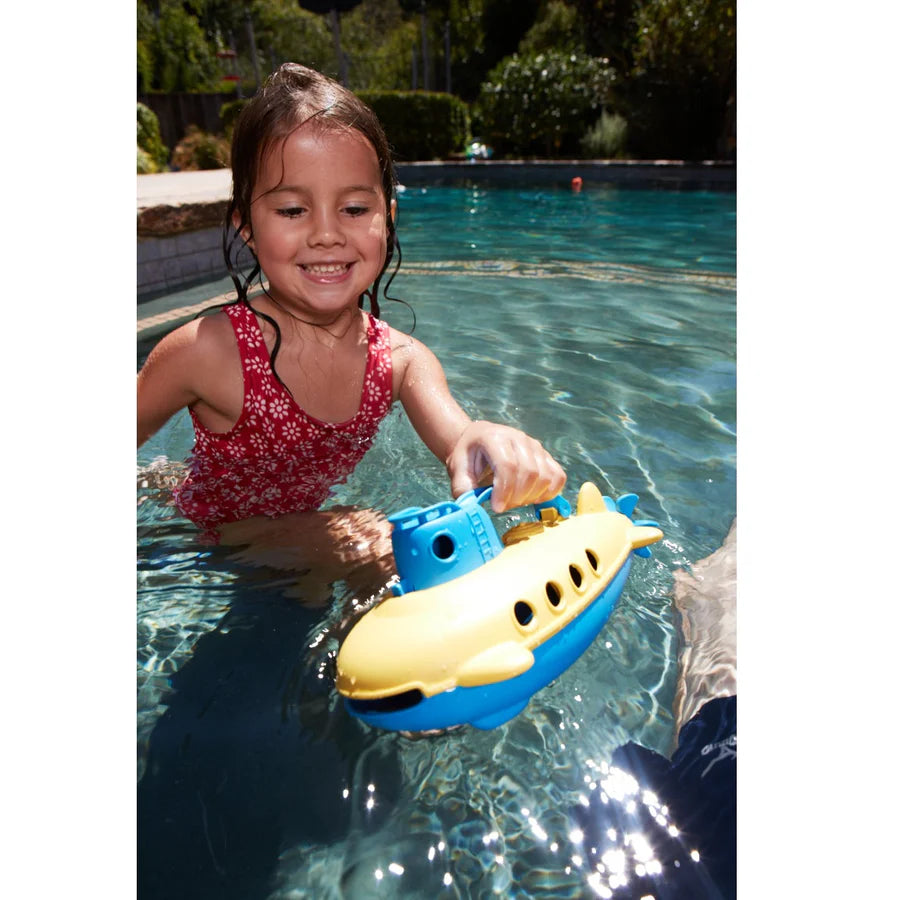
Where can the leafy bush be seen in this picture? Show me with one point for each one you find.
(199, 150)
(607, 139)
(145, 164)
(149, 140)
(419, 124)
(542, 103)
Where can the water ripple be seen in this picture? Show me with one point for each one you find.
(624, 368)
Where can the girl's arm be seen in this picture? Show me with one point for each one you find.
(523, 472)
(163, 384)
(190, 367)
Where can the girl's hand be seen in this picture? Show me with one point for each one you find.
(523, 471)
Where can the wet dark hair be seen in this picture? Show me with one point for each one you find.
(290, 97)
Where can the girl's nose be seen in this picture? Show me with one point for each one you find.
(325, 229)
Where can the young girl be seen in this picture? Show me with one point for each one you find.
(286, 393)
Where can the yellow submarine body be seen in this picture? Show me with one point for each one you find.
(478, 628)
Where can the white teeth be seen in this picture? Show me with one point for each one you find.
(328, 269)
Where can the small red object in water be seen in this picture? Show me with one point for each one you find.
(576, 183)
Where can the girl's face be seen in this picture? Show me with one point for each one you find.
(318, 220)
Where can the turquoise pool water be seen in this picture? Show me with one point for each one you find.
(601, 322)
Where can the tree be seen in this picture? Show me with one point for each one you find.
(675, 60)
(503, 24)
(682, 83)
(145, 48)
(557, 28)
(333, 9)
(287, 33)
(481, 33)
(173, 54)
(608, 29)
(379, 39)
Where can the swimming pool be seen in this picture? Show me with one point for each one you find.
(604, 324)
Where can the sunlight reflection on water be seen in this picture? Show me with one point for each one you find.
(619, 356)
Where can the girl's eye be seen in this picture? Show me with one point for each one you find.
(356, 210)
(291, 212)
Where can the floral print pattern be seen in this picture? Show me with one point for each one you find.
(277, 459)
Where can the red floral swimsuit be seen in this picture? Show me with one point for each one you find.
(279, 459)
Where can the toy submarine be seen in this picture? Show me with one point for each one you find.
(475, 627)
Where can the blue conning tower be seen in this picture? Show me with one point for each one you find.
(443, 541)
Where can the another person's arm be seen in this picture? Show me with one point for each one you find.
(706, 601)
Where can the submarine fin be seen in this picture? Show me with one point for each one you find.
(642, 535)
(590, 500)
(498, 663)
(486, 723)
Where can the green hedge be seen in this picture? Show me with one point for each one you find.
(420, 125)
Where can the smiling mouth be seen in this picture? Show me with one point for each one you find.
(326, 268)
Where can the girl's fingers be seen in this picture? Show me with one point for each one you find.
(524, 473)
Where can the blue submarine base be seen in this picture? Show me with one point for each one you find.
(490, 705)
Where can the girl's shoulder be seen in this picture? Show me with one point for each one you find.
(409, 355)
(206, 339)
(404, 347)
(212, 327)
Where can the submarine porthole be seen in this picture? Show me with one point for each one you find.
(592, 559)
(554, 595)
(575, 575)
(523, 612)
(443, 546)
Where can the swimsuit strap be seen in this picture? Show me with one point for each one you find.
(378, 383)
(255, 361)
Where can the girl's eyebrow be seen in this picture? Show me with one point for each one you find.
(350, 189)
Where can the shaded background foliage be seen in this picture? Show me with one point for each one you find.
(664, 69)
(538, 103)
